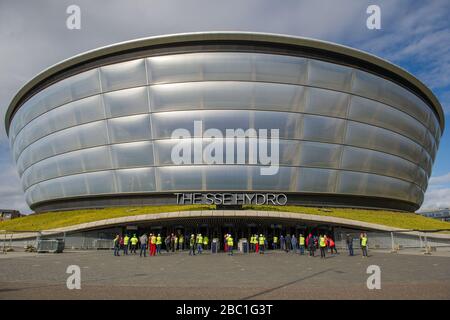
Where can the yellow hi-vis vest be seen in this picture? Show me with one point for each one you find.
(205, 241)
(275, 239)
(322, 242)
(200, 239)
(181, 240)
(125, 240)
(230, 241)
(134, 241)
(261, 241)
(175, 240)
(252, 239)
(158, 240)
(364, 241)
(302, 241)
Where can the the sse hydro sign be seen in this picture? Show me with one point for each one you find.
(277, 199)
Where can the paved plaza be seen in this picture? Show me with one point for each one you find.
(275, 275)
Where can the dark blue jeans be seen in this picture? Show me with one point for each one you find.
(116, 250)
(143, 250)
(350, 249)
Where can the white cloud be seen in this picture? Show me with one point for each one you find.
(440, 180)
(436, 198)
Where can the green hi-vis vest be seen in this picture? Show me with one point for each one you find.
(322, 242)
(205, 241)
(125, 240)
(230, 241)
(261, 241)
(181, 240)
(134, 241)
(158, 240)
(364, 241)
(192, 241)
(199, 239)
(275, 239)
(302, 241)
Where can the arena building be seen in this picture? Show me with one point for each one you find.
(96, 130)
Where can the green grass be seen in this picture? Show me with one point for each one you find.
(403, 220)
(51, 220)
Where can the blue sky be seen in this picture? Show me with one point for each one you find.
(414, 35)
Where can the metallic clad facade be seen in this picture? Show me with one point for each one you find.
(106, 131)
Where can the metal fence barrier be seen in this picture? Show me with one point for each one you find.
(52, 246)
(105, 244)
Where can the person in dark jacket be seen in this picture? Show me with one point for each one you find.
(349, 242)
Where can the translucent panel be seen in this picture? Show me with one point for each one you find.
(329, 75)
(220, 151)
(132, 128)
(100, 182)
(126, 102)
(134, 154)
(326, 102)
(279, 68)
(377, 162)
(315, 154)
(56, 119)
(288, 124)
(136, 180)
(362, 135)
(74, 113)
(84, 84)
(53, 189)
(226, 66)
(83, 136)
(402, 98)
(90, 159)
(284, 181)
(165, 123)
(367, 84)
(229, 94)
(290, 152)
(175, 68)
(32, 108)
(323, 129)
(56, 94)
(316, 180)
(373, 112)
(75, 185)
(373, 185)
(227, 178)
(123, 75)
(182, 178)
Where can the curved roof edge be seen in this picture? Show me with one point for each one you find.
(221, 36)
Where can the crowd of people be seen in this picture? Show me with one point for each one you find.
(196, 243)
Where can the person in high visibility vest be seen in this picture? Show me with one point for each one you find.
(181, 242)
(158, 244)
(117, 245)
(199, 243)
(275, 242)
(134, 241)
(230, 245)
(192, 245)
(126, 242)
(364, 241)
(252, 243)
(152, 245)
(205, 242)
(174, 242)
(301, 242)
(323, 246)
(261, 242)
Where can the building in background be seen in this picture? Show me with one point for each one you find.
(440, 214)
(6, 214)
(95, 130)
